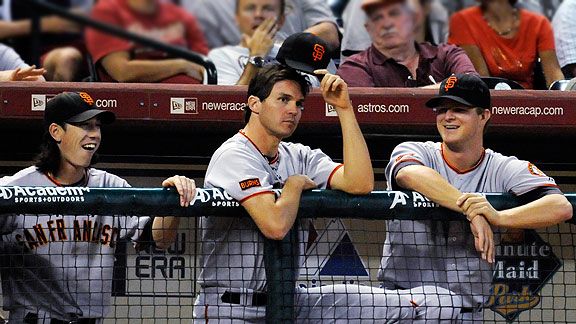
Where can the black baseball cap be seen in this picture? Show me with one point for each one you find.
(74, 107)
(304, 52)
(467, 89)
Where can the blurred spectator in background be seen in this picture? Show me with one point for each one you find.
(217, 20)
(124, 61)
(431, 25)
(12, 68)
(564, 24)
(504, 41)
(62, 44)
(258, 21)
(395, 59)
(543, 7)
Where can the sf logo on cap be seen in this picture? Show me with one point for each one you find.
(318, 52)
(86, 97)
(450, 82)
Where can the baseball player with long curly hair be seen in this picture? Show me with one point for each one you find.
(58, 268)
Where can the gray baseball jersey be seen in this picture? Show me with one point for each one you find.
(232, 248)
(61, 264)
(430, 252)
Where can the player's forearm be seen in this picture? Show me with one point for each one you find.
(275, 218)
(358, 172)
(429, 183)
(165, 230)
(286, 209)
(546, 211)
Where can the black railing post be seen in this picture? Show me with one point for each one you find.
(36, 36)
(281, 262)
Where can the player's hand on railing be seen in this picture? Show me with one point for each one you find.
(483, 238)
(186, 187)
(474, 204)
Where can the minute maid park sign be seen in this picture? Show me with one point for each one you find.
(524, 264)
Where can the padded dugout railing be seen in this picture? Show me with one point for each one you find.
(378, 110)
(279, 255)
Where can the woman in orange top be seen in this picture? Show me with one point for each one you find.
(504, 41)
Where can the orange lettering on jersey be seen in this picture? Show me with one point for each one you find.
(40, 235)
(450, 83)
(318, 52)
(249, 183)
(106, 234)
(61, 228)
(77, 231)
(32, 243)
(87, 231)
(86, 97)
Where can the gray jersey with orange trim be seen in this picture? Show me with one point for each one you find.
(60, 264)
(436, 252)
(232, 248)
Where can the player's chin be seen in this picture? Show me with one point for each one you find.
(449, 135)
(289, 127)
(85, 160)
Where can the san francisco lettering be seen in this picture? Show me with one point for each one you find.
(524, 263)
(57, 231)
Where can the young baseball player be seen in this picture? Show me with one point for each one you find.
(457, 254)
(254, 162)
(58, 268)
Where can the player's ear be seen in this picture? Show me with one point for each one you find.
(56, 131)
(486, 114)
(254, 104)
